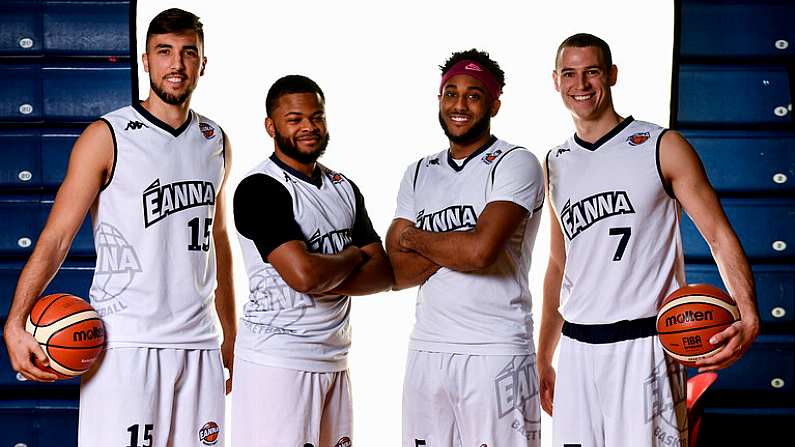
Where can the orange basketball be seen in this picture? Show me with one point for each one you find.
(689, 316)
(69, 331)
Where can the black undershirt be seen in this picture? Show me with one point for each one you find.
(259, 194)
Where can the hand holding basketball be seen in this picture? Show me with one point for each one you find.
(690, 317)
(70, 333)
(22, 349)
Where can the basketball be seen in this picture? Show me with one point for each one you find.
(69, 331)
(689, 316)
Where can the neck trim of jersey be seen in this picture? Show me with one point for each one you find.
(316, 179)
(606, 137)
(154, 120)
(481, 149)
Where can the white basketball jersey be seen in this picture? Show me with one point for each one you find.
(488, 311)
(154, 280)
(280, 326)
(620, 225)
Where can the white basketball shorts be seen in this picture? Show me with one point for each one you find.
(152, 397)
(460, 400)
(291, 408)
(627, 393)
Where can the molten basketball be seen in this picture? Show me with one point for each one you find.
(689, 316)
(69, 331)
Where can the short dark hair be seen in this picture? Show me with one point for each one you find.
(583, 40)
(176, 21)
(287, 85)
(482, 58)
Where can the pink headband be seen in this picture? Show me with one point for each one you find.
(471, 68)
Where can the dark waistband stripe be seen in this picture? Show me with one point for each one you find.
(611, 333)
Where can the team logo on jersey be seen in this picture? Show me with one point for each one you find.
(433, 161)
(660, 406)
(452, 218)
(561, 150)
(331, 242)
(491, 156)
(335, 177)
(578, 217)
(637, 138)
(116, 266)
(517, 391)
(209, 433)
(207, 130)
(163, 201)
(135, 125)
(344, 442)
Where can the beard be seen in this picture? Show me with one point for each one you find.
(290, 149)
(476, 131)
(168, 98)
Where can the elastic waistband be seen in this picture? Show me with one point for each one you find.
(611, 333)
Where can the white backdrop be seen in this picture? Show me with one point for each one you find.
(377, 63)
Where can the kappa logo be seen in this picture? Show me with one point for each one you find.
(289, 179)
(207, 130)
(561, 150)
(637, 139)
(135, 125)
(473, 66)
(344, 442)
(491, 156)
(209, 433)
(433, 161)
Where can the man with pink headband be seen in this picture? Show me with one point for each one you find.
(464, 229)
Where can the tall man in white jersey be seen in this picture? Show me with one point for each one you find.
(616, 190)
(464, 230)
(152, 175)
(308, 245)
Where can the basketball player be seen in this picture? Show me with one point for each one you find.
(464, 230)
(616, 188)
(308, 245)
(152, 175)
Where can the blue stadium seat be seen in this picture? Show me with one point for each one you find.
(73, 277)
(749, 28)
(10, 379)
(730, 95)
(35, 158)
(766, 370)
(775, 289)
(767, 160)
(57, 28)
(75, 92)
(38, 423)
(766, 228)
(25, 217)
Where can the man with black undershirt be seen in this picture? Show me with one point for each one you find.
(308, 245)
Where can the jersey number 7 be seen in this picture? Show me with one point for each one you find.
(625, 233)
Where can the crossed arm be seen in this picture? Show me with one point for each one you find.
(416, 254)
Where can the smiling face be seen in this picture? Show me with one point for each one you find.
(584, 82)
(174, 62)
(298, 126)
(465, 109)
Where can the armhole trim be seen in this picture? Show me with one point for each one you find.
(494, 169)
(223, 146)
(115, 154)
(417, 172)
(546, 166)
(659, 166)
